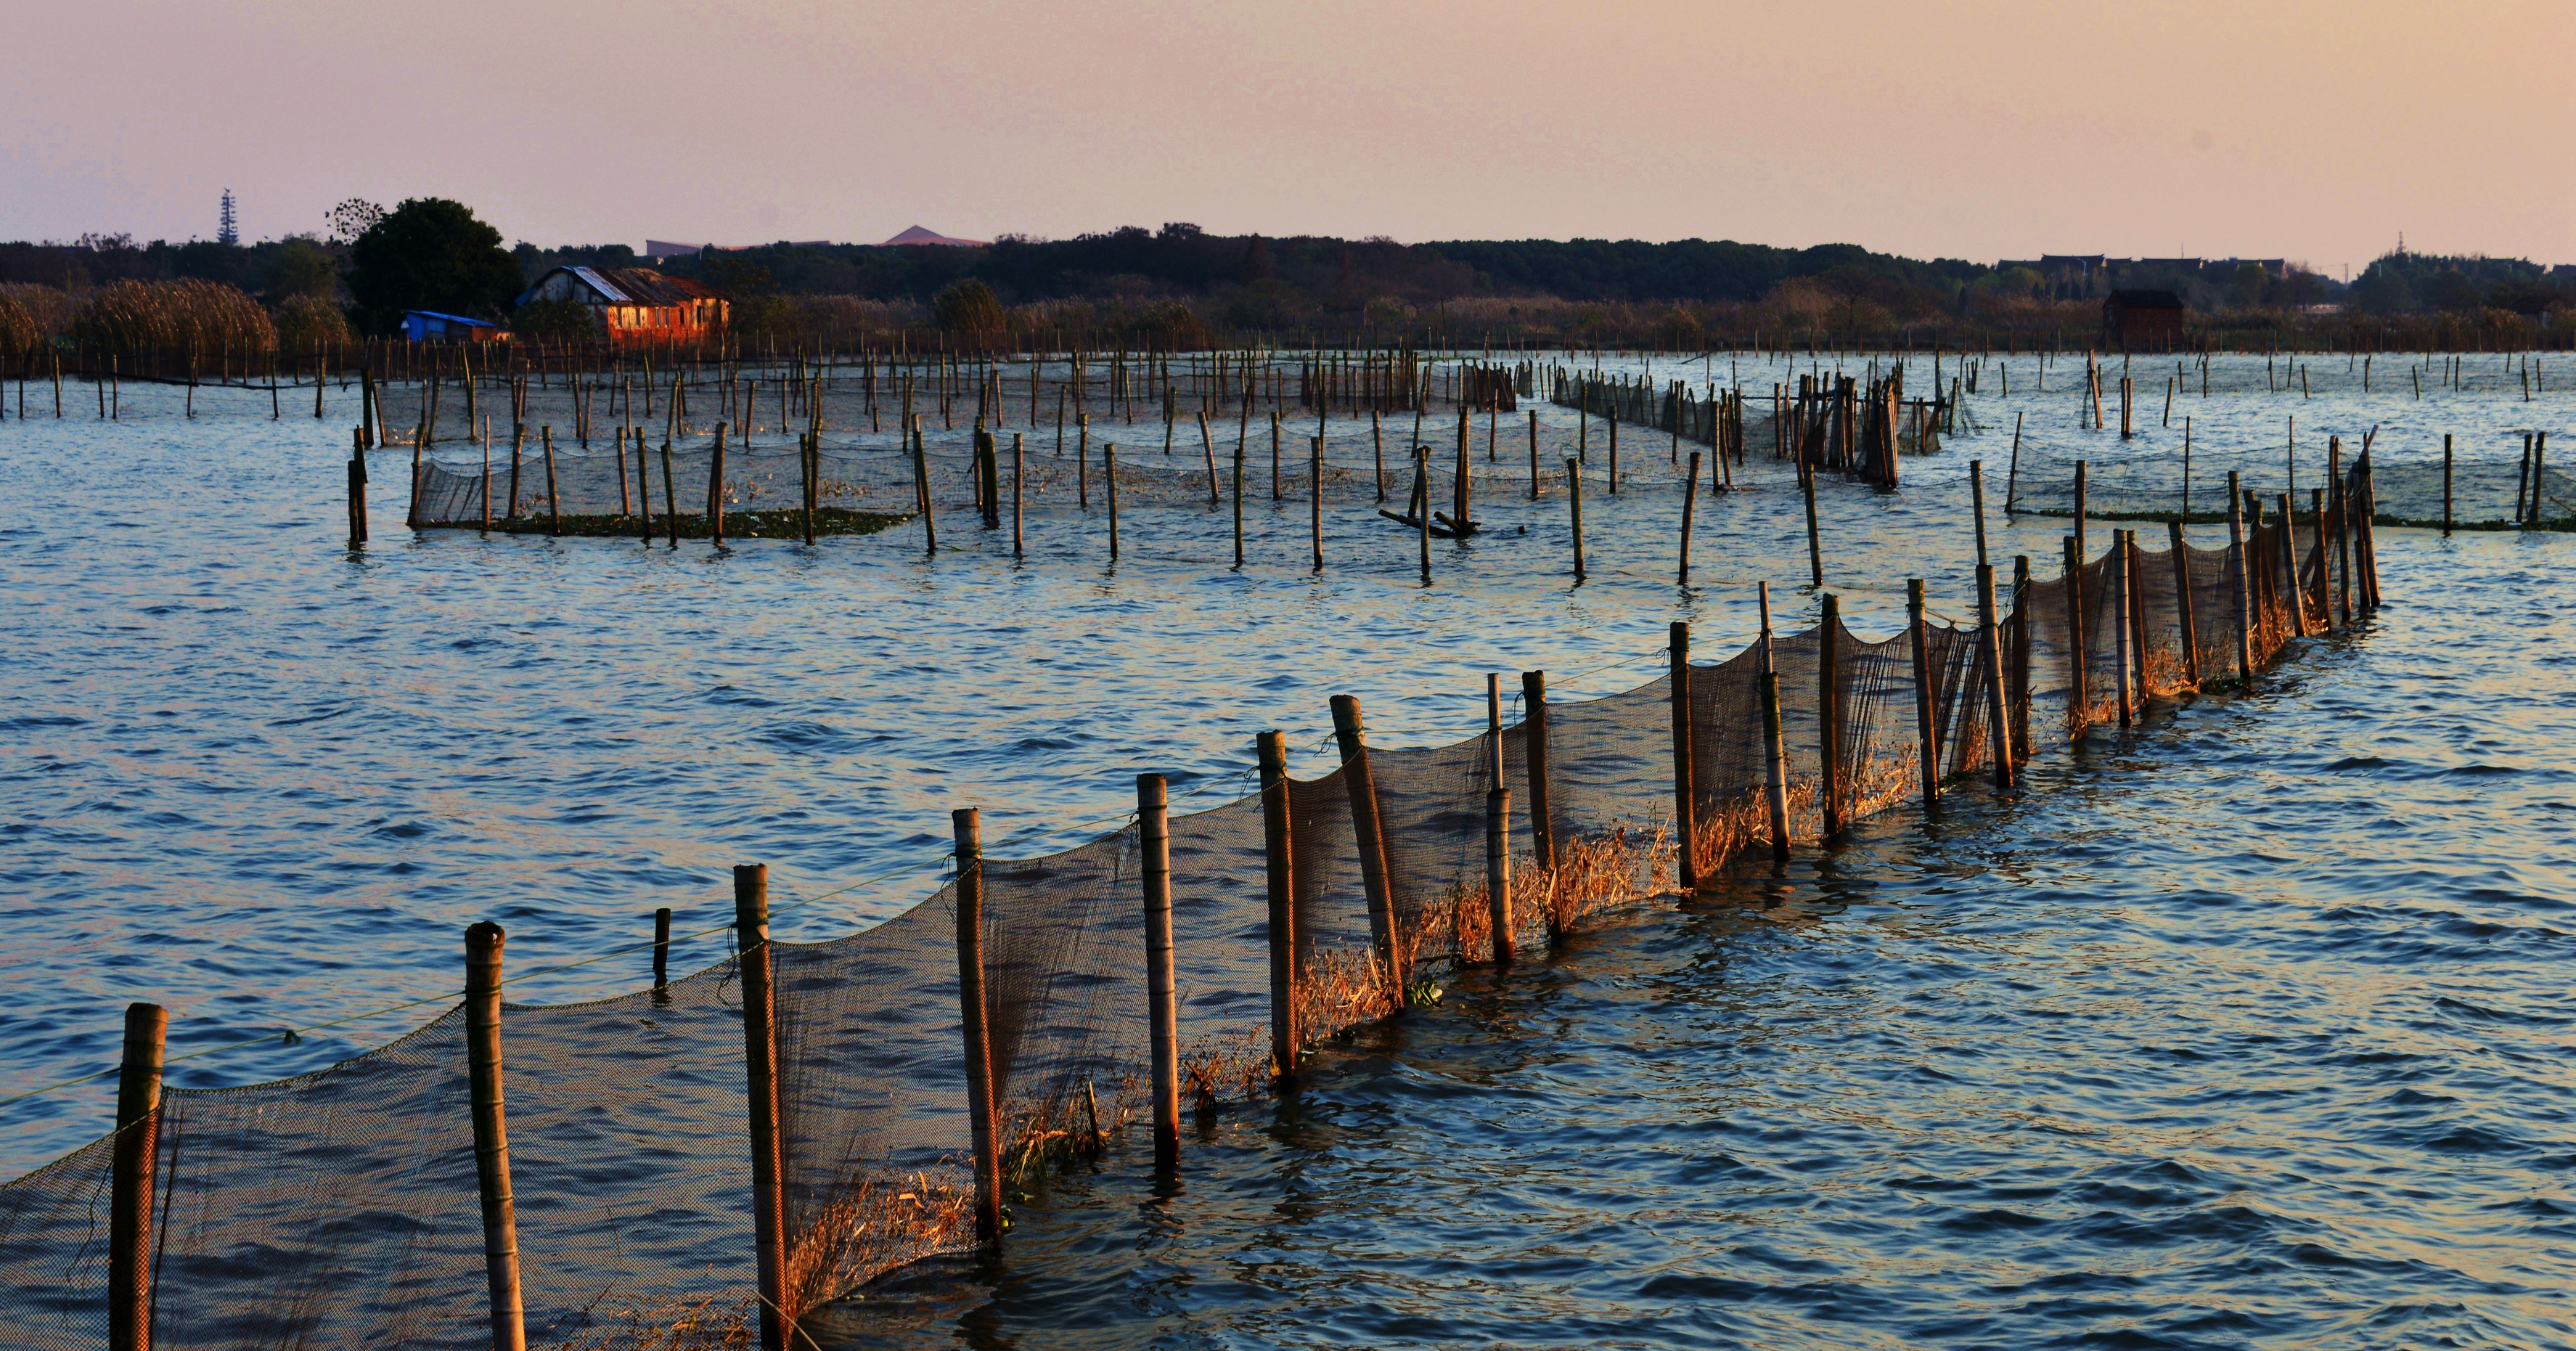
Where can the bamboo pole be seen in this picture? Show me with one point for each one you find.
(1361, 785)
(1017, 544)
(967, 831)
(1238, 499)
(1278, 854)
(1109, 477)
(2293, 595)
(483, 950)
(131, 1171)
(1534, 751)
(1775, 765)
(1926, 738)
(1829, 714)
(760, 1056)
(921, 489)
(1154, 840)
(670, 498)
(662, 946)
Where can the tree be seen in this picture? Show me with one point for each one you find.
(300, 267)
(558, 319)
(430, 254)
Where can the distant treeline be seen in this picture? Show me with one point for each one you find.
(1181, 286)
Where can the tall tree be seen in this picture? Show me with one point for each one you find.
(430, 254)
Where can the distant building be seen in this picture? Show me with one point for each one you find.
(635, 304)
(2138, 319)
(659, 249)
(918, 235)
(423, 325)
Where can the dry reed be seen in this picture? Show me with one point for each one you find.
(882, 1220)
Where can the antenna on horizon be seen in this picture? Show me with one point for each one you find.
(227, 227)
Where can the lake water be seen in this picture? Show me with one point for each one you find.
(2249, 1027)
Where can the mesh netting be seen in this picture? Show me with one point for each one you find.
(340, 1208)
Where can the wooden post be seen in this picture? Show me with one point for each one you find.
(1775, 764)
(1685, 818)
(1574, 505)
(1533, 457)
(1154, 841)
(1278, 855)
(662, 945)
(1829, 715)
(2446, 485)
(2122, 603)
(1422, 506)
(1238, 497)
(1990, 653)
(135, 1161)
(1109, 477)
(2081, 473)
(1498, 872)
(921, 489)
(1362, 788)
(483, 943)
(1815, 543)
(1926, 738)
(2292, 594)
(670, 498)
(2184, 617)
(554, 503)
(1534, 750)
(2239, 583)
(1315, 498)
(2340, 496)
(760, 1056)
(1690, 502)
(357, 496)
(966, 826)
(1207, 449)
(2079, 681)
(1016, 476)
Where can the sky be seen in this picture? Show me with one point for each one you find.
(2287, 128)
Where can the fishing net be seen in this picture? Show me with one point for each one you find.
(340, 1208)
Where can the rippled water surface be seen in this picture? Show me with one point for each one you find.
(2249, 1027)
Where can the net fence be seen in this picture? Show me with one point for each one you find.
(340, 1208)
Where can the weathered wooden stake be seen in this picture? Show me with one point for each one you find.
(1278, 855)
(966, 826)
(132, 1168)
(662, 945)
(1815, 542)
(2079, 673)
(483, 944)
(1154, 841)
(1927, 739)
(2122, 606)
(760, 1056)
(1362, 788)
(1690, 504)
(1685, 816)
(1016, 477)
(1999, 740)
(554, 502)
(2184, 619)
(1829, 714)
(1574, 505)
(1775, 762)
(2239, 583)
(1534, 750)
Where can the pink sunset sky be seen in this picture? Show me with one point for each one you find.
(2308, 130)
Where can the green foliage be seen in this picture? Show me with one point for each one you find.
(554, 320)
(969, 307)
(430, 254)
(300, 267)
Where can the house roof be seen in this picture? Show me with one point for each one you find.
(450, 318)
(632, 286)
